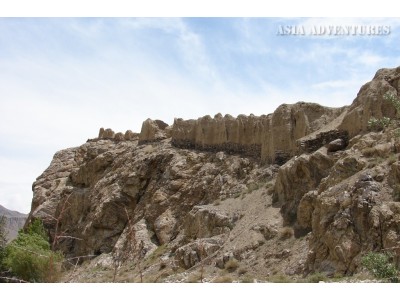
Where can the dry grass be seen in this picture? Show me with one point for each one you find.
(223, 279)
(242, 271)
(279, 279)
(286, 233)
(247, 279)
(316, 277)
(396, 193)
(271, 190)
(231, 265)
(368, 152)
(392, 159)
(194, 278)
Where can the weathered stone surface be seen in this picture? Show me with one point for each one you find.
(94, 188)
(234, 135)
(164, 226)
(106, 133)
(297, 177)
(336, 145)
(189, 255)
(270, 138)
(267, 230)
(131, 136)
(152, 131)
(290, 123)
(310, 144)
(204, 222)
(370, 103)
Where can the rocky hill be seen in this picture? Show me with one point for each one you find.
(14, 221)
(305, 190)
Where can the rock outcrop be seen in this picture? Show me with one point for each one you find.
(109, 134)
(370, 102)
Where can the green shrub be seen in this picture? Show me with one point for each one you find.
(379, 265)
(30, 258)
(378, 124)
(394, 100)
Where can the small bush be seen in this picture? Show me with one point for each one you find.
(231, 265)
(286, 233)
(378, 124)
(30, 258)
(379, 265)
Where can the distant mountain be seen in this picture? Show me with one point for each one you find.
(14, 221)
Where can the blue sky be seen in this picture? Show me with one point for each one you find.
(61, 79)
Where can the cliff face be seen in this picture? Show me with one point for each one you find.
(270, 138)
(305, 189)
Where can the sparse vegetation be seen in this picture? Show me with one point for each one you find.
(392, 159)
(223, 279)
(231, 265)
(155, 255)
(316, 277)
(368, 152)
(247, 279)
(286, 233)
(242, 271)
(236, 195)
(380, 266)
(251, 187)
(30, 258)
(2, 243)
(396, 193)
(194, 278)
(378, 124)
(394, 100)
(397, 133)
(279, 278)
